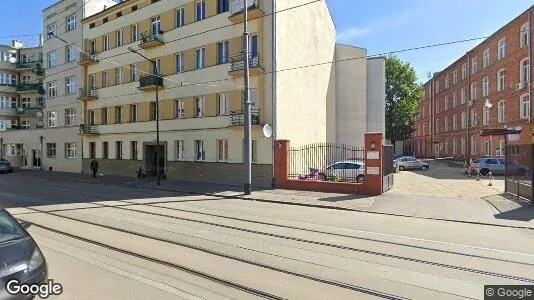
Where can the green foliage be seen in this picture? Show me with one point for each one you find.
(402, 96)
(332, 177)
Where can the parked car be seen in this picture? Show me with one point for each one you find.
(410, 163)
(348, 170)
(20, 257)
(497, 165)
(5, 166)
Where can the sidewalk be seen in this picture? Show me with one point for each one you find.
(492, 210)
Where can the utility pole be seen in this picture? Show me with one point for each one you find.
(247, 117)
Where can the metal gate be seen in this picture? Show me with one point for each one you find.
(388, 167)
(519, 171)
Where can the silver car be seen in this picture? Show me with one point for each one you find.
(497, 165)
(411, 163)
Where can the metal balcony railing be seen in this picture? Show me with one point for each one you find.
(25, 87)
(236, 6)
(88, 93)
(24, 64)
(237, 118)
(91, 56)
(29, 111)
(239, 64)
(88, 129)
(149, 36)
(150, 80)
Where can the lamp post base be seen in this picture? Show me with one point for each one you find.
(247, 189)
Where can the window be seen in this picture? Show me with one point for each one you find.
(474, 65)
(447, 82)
(485, 115)
(105, 20)
(133, 150)
(71, 23)
(462, 145)
(92, 117)
(52, 59)
(486, 58)
(51, 150)
(119, 76)
(223, 6)
(93, 47)
(473, 145)
(26, 78)
(454, 99)
(501, 111)
(200, 11)
(180, 17)
(200, 58)
(487, 148)
(135, 33)
(156, 26)
(454, 146)
(222, 150)
(501, 76)
(70, 85)
(180, 109)
(446, 124)
(133, 113)
(157, 67)
(25, 102)
(501, 47)
(70, 55)
(524, 35)
(473, 118)
(134, 72)
(500, 150)
(51, 30)
(446, 102)
(105, 46)
(118, 114)
(437, 87)
(118, 150)
(52, 89)
(464, 120)
(120, 37)
(437, 126)
(92, 150)
(104, 111)
(105, 79)
(222, 53)
(525, 106)
(118, 14)
(455, 77)
(70, 150)
(154, 113)
(180, 150)
(473, 91)
(70, 116)
(179, 63)
(437, 106)
(524, 71)
(454, 122)
(200, 154)
(25, 124)
(92, 81)
(199, 106)
(514, 150)
(485, 86)
(105, 150)
(223, 103)
(464, 71)
(134, 8)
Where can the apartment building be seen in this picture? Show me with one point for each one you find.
(196, 47)
(489, 87)
(43, 131)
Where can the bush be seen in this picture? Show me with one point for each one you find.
(332, 177)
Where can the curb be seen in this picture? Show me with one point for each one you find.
(243, 197)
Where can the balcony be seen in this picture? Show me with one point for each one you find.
(150, 83)
(238, 64)
(88, 94)
(29, 64)
(87, 59)
(28, 87)
(86, 129)
(237, 118)
(237, 11)
(150, 40)
(30, 112)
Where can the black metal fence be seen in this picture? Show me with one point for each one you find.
(388, 167)
(519, 170)
(327, 162)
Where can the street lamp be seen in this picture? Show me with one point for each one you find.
(42, 154)
(247, 114)
(155, 69)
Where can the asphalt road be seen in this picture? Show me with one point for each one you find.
(108, 242)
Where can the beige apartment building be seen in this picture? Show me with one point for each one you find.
(42, 130)
(197, 47)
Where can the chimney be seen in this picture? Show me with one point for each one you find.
(17, 44)
(40, 40)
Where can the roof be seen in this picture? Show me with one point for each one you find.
(105, 11)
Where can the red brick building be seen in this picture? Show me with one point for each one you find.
(488, 87)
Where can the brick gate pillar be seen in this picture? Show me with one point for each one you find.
(373, 163)
(281, 163)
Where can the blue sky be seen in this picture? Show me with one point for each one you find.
(378, 25)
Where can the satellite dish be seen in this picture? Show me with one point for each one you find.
(267, 130)
(20, 109)
(13, 58)
(39, 114)
(488, 104)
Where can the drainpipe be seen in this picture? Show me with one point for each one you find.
(468, 117)
(273, 82)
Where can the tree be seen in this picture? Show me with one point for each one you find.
(402, 96)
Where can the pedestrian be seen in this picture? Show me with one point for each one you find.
(94, 166)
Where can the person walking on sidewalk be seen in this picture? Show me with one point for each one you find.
(94, 167)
